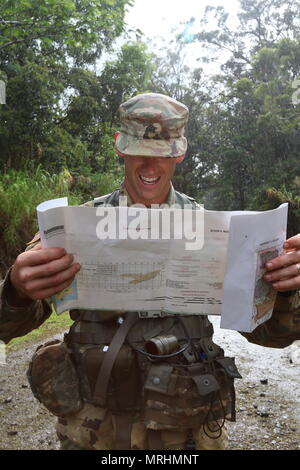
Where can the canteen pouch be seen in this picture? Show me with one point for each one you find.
(53, 378)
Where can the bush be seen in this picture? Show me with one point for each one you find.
(20, 193)
(270, 198)
(88, 187)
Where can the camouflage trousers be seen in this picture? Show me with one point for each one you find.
(86, 431)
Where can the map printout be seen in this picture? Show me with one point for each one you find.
(164, 261)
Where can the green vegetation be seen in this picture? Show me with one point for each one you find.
(20, 193)
(55, 324)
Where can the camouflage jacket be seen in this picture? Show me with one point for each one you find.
(279, 331)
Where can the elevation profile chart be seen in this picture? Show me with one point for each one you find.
(121, 277)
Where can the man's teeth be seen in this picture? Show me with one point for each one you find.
(149, 180)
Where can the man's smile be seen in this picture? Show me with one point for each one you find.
(149, 181)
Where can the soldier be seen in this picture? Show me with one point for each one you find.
(108, 390)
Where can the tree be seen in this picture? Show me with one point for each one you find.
(91, 109)
(128, 74)
(42, 44)
(174, 78)
(255, 140)
(262, 23)
(77, 29)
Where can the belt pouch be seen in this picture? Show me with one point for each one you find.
(124, 382)
(53, 378)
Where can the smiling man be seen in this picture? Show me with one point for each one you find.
(152, 142)
(118, 397)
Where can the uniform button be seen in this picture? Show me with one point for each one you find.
(156, 380)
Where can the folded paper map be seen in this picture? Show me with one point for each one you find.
(164, 261)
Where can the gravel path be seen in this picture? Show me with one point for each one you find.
(268, 399)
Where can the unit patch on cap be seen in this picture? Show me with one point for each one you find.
(155, 131)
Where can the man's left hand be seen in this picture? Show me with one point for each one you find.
(284, 271)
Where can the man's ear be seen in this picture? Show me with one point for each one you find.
(117, 151)
(180, 159)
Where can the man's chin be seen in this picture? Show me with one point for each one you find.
(150, 192)
(147, 198)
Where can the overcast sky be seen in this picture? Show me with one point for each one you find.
(158, 18)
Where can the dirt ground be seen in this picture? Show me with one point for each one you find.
(268, 400)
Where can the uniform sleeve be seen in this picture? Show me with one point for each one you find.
(283, 327)
(18, 321)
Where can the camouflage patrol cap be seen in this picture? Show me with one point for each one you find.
(152, 125)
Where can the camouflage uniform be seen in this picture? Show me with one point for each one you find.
(93, 426)
(178, 419)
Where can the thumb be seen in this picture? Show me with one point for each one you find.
(293, 242)
(38, 246)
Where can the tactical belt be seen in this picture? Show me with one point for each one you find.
(87, 337)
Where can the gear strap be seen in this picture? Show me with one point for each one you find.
(154, 439)
(102, 381)
(123, 426)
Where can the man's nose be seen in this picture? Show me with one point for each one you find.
(150, 162)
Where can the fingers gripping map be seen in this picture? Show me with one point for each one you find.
(264, 295)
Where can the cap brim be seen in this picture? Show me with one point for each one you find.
(129, 145)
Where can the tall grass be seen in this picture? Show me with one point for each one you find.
(20, 193)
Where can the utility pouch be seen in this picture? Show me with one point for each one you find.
(53, 378)
(124, 382)
(187, 396)
(229, 367)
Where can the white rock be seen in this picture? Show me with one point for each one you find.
(294, 353)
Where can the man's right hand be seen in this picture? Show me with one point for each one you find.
(40, 273)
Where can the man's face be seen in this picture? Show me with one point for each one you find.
(147, 179)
